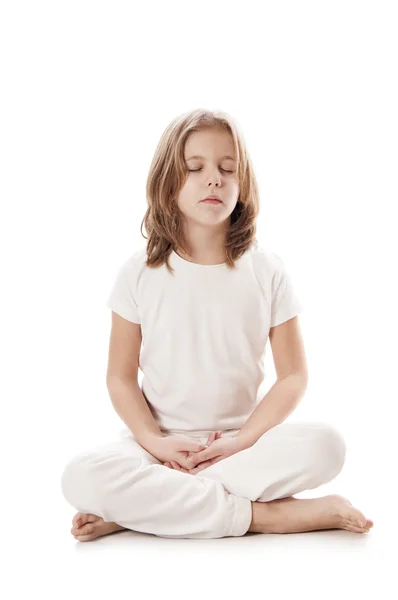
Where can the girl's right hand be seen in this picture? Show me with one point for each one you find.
(174, 448)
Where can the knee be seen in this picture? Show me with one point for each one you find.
(92, 478)
(330, 451)
(74, 480)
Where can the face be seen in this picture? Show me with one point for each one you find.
(213, 174)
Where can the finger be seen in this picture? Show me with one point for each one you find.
(190, 446)
(204, 465)
(214, 435)
(207, 463)
(198, 457)
(192, 461)
(211, 438)
(178, 467)
(200, 467)
(189, 461)
(208, 442)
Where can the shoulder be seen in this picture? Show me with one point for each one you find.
(135, 261)
(265, 261)
(131, 268)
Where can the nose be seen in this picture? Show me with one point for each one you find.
(214, 179)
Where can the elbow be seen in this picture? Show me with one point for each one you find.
(300, 379)
(112, 379)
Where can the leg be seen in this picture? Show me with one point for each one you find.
(286, 460)
(292, 515)
(122, 483)
(288, 515)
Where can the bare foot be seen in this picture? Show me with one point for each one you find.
(292, 515)
(88, 527)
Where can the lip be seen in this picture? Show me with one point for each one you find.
(213, 197)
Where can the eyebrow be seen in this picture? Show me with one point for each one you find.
(197, 156)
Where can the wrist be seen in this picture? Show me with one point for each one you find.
(243, 440)
(148, 439)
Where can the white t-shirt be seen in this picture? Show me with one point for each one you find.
(204, 333)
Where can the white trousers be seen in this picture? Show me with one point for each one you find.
(124, 483)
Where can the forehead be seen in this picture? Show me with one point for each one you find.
(208, 143)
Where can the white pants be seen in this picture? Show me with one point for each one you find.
(124, 483)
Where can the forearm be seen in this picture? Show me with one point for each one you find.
(131, 406)
(280, 400)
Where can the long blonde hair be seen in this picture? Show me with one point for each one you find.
(166, 177)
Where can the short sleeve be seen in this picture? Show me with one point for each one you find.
(122, 299)
(285, 303)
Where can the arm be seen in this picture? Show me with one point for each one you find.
(292, 377)
(122, 380)
(131, 406)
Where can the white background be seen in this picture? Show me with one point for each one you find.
(87, 90)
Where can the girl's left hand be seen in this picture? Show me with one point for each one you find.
(218, 450)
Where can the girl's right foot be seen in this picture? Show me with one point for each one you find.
(87, 527)
(293, 515)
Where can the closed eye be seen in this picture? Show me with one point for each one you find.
(194, 170)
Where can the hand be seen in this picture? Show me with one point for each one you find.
(173, 448)
(219, 449)
(214, 435)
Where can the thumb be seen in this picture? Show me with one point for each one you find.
(211, 438)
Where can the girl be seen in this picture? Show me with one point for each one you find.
(202, 454)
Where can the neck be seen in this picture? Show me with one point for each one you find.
(205, 245)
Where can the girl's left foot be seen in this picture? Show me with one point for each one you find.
(87, 527)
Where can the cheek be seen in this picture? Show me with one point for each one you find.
(188, 195)
(235, 187)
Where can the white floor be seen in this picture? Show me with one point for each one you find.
(43, 558)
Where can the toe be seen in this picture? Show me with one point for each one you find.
(362, 523)
(86, 529)
(79, 519)
(357, 518)
(82, 518)
(353, 528)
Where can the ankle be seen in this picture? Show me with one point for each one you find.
(261, 518)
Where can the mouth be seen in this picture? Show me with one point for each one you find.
(212, 199)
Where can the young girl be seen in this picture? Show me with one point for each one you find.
(202, 454)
